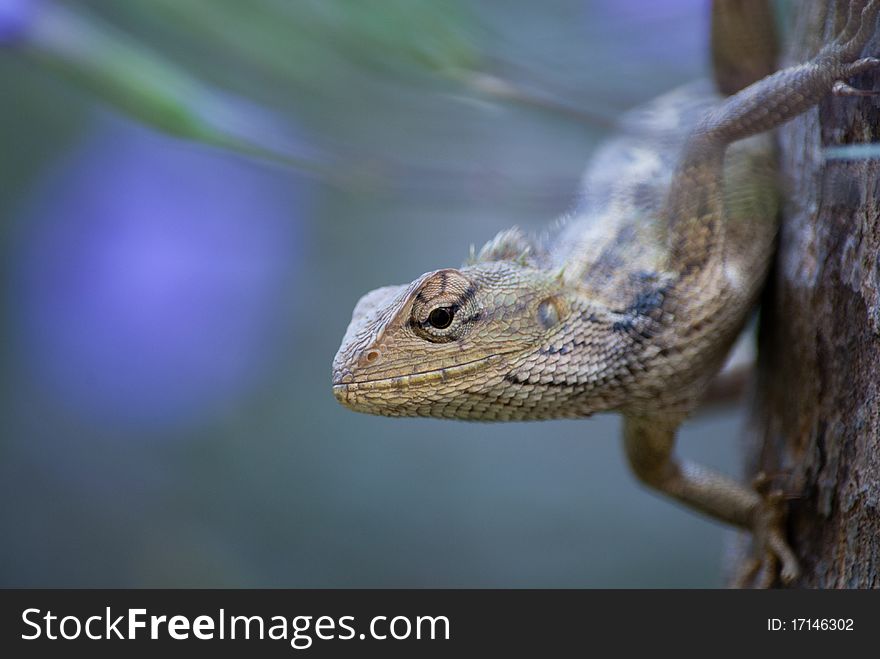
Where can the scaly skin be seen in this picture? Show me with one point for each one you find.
(631, 307)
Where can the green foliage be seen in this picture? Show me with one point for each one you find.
(313, 50)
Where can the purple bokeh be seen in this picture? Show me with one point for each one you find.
(151, 277)
(15, 16)
(672, 30)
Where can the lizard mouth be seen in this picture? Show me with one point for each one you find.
(343, 390)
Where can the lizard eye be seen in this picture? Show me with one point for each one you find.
(444, 307)
(441, 317)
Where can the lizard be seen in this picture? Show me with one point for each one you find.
(630, 306)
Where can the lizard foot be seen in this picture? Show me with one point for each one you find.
(860, 66)
(859, 27)
(841, 88)
(774, 557)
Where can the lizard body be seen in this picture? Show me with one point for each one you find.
(631, 306)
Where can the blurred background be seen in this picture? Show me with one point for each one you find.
(194, 195)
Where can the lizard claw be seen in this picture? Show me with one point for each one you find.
(842, 88)
(774, 555)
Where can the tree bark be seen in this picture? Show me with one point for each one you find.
(815, 422)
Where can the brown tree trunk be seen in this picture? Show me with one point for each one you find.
(816, 418)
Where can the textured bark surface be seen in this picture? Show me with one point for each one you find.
(816, 418)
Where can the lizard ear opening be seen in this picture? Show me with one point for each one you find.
(550, 311)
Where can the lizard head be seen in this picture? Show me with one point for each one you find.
(443, 345)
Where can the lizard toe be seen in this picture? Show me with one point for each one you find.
(778, 561)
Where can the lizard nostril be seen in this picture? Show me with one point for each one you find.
(373, 355)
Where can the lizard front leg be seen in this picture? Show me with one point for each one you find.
(649, 444)
(780, 97)
(694, 210)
